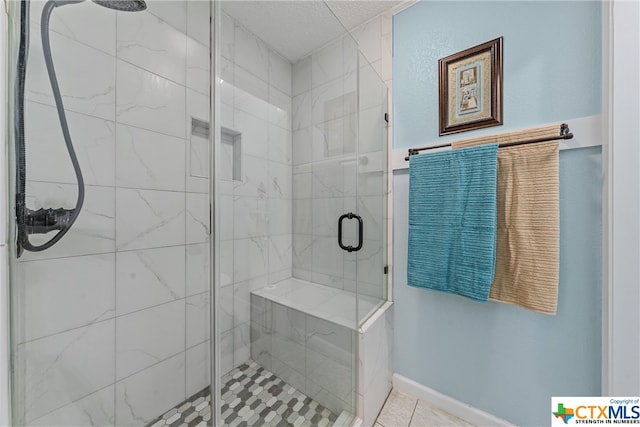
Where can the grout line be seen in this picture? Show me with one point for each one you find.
(413, 412)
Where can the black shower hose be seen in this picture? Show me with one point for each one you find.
(63, 218)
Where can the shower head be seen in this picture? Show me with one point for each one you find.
(123, 5)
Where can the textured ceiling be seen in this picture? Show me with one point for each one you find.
(294, 28)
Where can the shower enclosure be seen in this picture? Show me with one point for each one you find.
(231, 246)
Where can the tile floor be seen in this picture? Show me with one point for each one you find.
(251, 396)
(403, 410)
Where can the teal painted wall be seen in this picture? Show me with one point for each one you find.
(500, 358)
(552, 61)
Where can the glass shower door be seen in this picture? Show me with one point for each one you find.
(372, 189)
(110, 326)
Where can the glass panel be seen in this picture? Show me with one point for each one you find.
(111, 324)
(286, 290)
(372, 189)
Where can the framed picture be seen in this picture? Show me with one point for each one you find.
(470, 88)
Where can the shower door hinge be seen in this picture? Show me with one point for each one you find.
(386, 117)
(386, 269)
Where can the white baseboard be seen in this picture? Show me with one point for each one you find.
(454, 407)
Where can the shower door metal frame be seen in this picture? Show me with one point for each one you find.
(214, 217)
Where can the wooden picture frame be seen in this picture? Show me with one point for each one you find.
(470, 88)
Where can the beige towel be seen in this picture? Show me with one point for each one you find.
(528, 236)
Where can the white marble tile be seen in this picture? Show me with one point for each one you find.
(172, 12)
(227, 37)
(289, 352)
(250, 258)
(327, 140)
(326, 212)
(226, 217)
(94, 97)
(48, 160)
(327, 64)
(254, 134)
(290, 324)
(372, 90)
(87, 352)
(226, 262)
(331, 340)
(368, 36)
(150, 43)
(226, 352)
(329, 181)
(254, 177)
(198, 21)
(149, 277)
(198, 167)
(226, 312)
(95, 409)
(279, 72)
(197, 319)
(280, 216)
(301, 117)
(148, 219)
(332, 375)
(301, 182)
(280, 253)
(302, 253)
(143, 396)
(241, 344)
(198, 157)
(301, 76)
(397, 410)
(149, 336)
(198, 218)
(328, 102)
(198, 67)
(303, 216)
(280, 148)
(260, 344)
(371, 209)
(149, 101)
(301, 147)
(149, 160)
(85, 23)
(251, 53)
(197, 266)
(327, 256)
(251, 93)
(280, 181)
(278, 276)
(350, 61)
(227, 115)
(250, 217)
(279, 108)
(92, 233)
(373, 132)
(242, 298)
(65, 293)
(198, 368)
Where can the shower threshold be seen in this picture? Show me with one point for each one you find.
(251, 396)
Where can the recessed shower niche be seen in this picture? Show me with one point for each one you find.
(230, 153)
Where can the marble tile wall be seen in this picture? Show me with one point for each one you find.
(256, 206)
(112, 322)
(313, 355)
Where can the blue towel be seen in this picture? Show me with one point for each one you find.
(452, 221)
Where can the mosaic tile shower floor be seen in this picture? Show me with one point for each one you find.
(251, 396)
